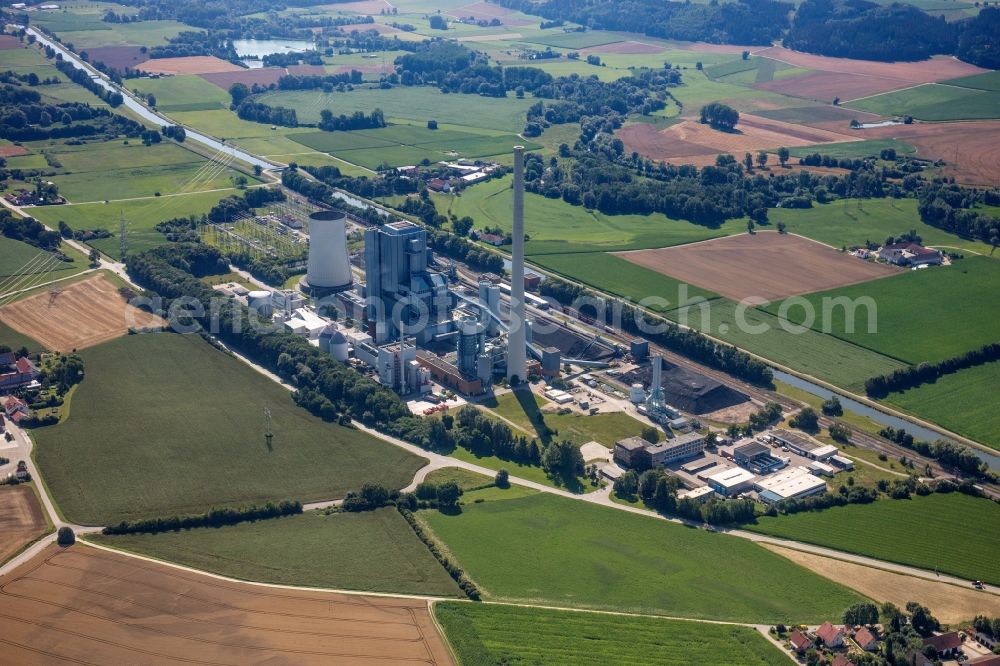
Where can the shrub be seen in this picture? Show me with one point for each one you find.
(65, 536)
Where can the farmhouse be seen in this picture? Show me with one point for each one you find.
(945, 645)
(831, 635)
(910, 254)
(800, 642)
(803, 444)
(757, 458)
(841, 660)
(790, 484)
(15, 408)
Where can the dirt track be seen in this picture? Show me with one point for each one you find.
(21, 519)
(765, 265)
(949, 604)
(78, 315)
(107, 608)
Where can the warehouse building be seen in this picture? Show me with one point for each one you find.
(757, 458)
(803, 445)
(793, 483)
(732, 481)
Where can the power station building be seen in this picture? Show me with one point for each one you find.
(399, 289)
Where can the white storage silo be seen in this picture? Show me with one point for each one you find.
(260, 301)
(328, 268)
(334, 342)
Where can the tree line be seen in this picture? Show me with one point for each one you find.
(951, 207)
(945, 452)
(915, 375)
(215, 517)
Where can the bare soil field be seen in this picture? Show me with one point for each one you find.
(971, 149)
(825, 86)
(188, 65)
(264, 76)
(627, 48)
(79, 315)
(118, 609)
(9, 42)
(12, 151)
(21, 519)
(926, 71)
(764, 265)
(690, 138)
(948, 603)
(306, 70)
(118, 57)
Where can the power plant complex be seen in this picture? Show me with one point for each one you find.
(411, 322)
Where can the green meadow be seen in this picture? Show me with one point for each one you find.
(372, 551)
(934, 101)
(483, 635)
(165, 424)
(544, 549)
(965, 532)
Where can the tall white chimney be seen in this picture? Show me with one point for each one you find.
(517, 349)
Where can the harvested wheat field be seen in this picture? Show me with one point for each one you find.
(825, 86)
(938, 68)
(12, 151)
(971, 150)
(765, 265)
(690, 138)
(188, 65)
(78, 315)
(117, 609)
(10, 42)
(949, 603)
(21, 519)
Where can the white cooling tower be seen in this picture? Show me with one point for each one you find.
(329, 268)
(261, 302)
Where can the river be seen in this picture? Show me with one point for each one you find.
(918, 431)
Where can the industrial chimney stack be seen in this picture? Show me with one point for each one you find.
(517, 352)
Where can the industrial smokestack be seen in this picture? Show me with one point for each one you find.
(517, 352)
(329, 268)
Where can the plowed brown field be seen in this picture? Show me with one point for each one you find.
(79, 315)
(764, 265)
(21, 519)
(118, 57)
(825, 86)
(107, 608)
(690, 138)
(936, 69)
(970, 149)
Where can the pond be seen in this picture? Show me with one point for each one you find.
(255, 49)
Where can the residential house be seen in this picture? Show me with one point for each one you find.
(15, 408)
(866, 640)
(492, 239)
(832, 636)
(439, 185)
(945, 645)
(16, 373)
(910, 254)
(800, 642)
(842, 660)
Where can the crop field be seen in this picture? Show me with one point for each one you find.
(374, 551)
(556, 227)
(151, 182)
(188, 65)
(194, 438)
(965, 532)
(82, 314)
(19, 258)
(907, 327)
(549, 550)
(142, 216)
(118, 57)
(118, 609)
(963, 402)
(574, 40)
(21, 519)
(182, 93)
(822, 356)
(414, 103)
(847, 225)
(764, 265)
(142, 33)
(615, 274)
(496, 634)
(604, 429)
(827, 86)
(935, 102)
(924, 71)
(988, 81)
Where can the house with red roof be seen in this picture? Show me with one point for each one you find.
(841, 660)
(16, 373)
(15, 408)
(800, 642)
(945, 645)
(865, 639)
(831, 635)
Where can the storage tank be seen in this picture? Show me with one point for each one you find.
(260, 301)
(328, 268)
(338, 346)
(637, 393)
